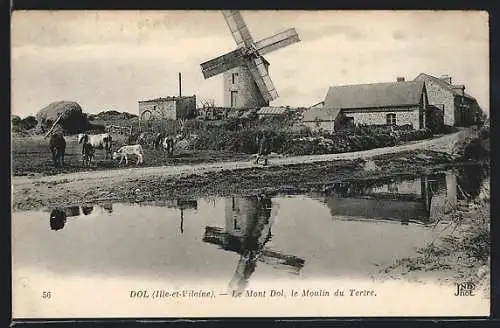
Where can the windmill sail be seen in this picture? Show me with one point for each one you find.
(277, 41)
(239, 29)
(222, 63)
(261, 77)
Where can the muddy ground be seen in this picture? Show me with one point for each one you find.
(36, 185)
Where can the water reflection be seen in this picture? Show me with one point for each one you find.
(470, 179)
(422, 199)
(59, 215)
(248, 222)
(253, 229)
(179, 203)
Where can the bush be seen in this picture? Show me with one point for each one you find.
(362, 138)
(27, 123)
(478, 148)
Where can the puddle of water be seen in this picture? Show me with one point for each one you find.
(341, 232)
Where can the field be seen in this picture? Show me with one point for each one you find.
(31, 155)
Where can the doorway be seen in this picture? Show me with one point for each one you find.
(234, 97)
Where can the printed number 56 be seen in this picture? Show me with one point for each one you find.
(46, 295)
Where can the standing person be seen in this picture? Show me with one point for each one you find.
(264, 148)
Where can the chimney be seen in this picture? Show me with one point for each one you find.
(459, 88)
(446, 78)
(400, 79)
(180, 84)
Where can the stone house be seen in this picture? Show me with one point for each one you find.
(173, 108)
(394, 103)
(458, 107)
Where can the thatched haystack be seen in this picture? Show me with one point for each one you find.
(73, 119)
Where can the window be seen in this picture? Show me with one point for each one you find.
(390, 119)
(234, 96)
(234, 78)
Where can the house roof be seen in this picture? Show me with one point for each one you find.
(321, 103)
(321, 114)
(374, 95)
(442, 83)
(273, 110)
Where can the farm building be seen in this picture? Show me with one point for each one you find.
(168, 108)
(394, 103)
(322, 119)
(458, 107)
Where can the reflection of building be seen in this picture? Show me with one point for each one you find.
(173, 203)
(420, 199)
(181, 204)
(247, 230)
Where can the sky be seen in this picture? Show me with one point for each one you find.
(109, 60)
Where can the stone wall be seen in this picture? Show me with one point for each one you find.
(379, 117)
(248, 96)
(170, 108)
(159, 108)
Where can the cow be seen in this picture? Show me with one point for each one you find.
(158, 138)
(123, 151)
(98, 141)
(57, 146)
(146, 138)
(88, 152)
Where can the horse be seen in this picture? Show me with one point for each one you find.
(57, 146)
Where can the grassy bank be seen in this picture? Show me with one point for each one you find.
(462, 252)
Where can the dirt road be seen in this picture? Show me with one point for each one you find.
(152, 183)
(442, 144)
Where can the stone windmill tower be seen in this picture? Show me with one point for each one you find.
(246, 79)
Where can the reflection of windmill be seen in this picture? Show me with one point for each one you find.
(247, 230)
(246, 78)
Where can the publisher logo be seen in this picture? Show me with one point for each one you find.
(465, 289)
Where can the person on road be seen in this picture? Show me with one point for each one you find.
(264, 148)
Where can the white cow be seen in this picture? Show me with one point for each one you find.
(123, 151)
(98, 141)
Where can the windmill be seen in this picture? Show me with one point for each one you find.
(246, 78)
